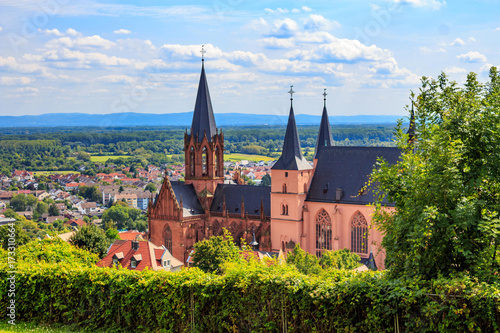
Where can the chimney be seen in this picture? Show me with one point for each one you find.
(135, 245)
(339, 193)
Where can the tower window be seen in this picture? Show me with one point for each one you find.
(216, 161)
(284, 188)
(286, 174)
(168, 239)
(204, 161)
(284, 209)
(191, 160)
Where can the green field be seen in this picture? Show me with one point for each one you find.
(248, 157)
(32, 327)
(101, 159)
(45, 173)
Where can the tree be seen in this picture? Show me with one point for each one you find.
(6, 233)
(305, 262)
(446, 185)
(53, 210)
(150, 187)
(91, 238)
(341, 259)
(41, 208)
(266, 180)
(210, 254)
(18, 202)
(112, 234)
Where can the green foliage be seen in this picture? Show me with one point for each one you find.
(53, 210)
(210, 254)
(91, 238)
(266, 180)
(305, 262)
(112, 234)
(249, 298)
(7, 231)
(20, 202)
(340, 259)
(91, 193)
(446, 187)
(124, 217)
(150, 187)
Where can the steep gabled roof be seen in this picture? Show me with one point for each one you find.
(325, 138)
(347, 168)
(203, 116)
(291, 157)
(253, 196)
(190, 203)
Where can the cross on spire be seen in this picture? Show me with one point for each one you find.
(203, 53)
(291, 92)
(324, 95)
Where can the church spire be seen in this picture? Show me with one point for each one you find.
(325, 133)
(203, 116)
(291, 156)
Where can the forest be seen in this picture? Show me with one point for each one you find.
(60, 148)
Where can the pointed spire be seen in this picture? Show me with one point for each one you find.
(325, 138)
(203, 116)
(291, 156)
(371, 262)
(411, 128)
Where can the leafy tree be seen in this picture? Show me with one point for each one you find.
(91, 238)
(21, 237)
(41, 207)
(266, 180)
(150, 187)
(341, 259)
(305, 262)
(112, 234)
(53, 210)
(446, 185)
(18, 202)
(210, 254)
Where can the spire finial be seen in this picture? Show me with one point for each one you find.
(291, 92)
(324, 96)
(203, 52)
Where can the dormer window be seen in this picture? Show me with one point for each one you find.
(133, 263)
(115, 262)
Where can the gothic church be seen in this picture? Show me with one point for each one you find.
(321, 206)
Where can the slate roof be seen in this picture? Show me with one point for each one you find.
(203, 116)
(251, 196)
(291, 157)
(325, 138)
(347, 168)
(190, 203)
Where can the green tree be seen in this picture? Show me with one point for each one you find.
(340, 259)
(305, 262)
(266, 180)
(446, 185)
(18, 202)
(53, 210)
(112, 234)
(150, 187)
(41, 207)
(6, 233)
(210, 254)
(91, 238)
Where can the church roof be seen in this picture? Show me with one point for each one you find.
(191, 205)
(291, 157)
(203, 116)
(325, 138)
(252, 197)
(347, 168)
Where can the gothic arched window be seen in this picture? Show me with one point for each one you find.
(168, 239)
(204, 161)
(284, 188)
(216, 228)
(359, 233)
(216, 161)
(191, 160)
(323, 232)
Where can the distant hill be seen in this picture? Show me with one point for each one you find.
(177, 119)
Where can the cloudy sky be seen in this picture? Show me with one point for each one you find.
(96, 56)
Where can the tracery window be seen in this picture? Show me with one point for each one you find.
(168, 239)
(191, 160)
(204, 161)
(216, 161)
(284, 209)
(323, 232)
(359, 233)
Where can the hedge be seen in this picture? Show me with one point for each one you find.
(249, 299)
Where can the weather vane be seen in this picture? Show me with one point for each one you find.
(291, 92)
(324, 94)
(203, 52)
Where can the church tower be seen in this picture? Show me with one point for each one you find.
(290, 178)
(325, 138)
(204, 145)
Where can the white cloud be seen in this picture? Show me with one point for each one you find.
(72, 32)
(497, 29)
(306, 9)
(122, 32)
(318, 22)
(276, 11)
(425, 49)
(70, 59)
(15, 81)
(1, 29)
(457, 42)
(54, 32)
(278, 43)
(88, 42)
(431, 4)
(117, 79)
(472, 57)
(485, 68)
(471, 39)
(295, 10)
(283, 28)
(454, 70)
(10, 64)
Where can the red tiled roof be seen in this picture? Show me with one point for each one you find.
(131, 235)
(78, 222)
(147, 252)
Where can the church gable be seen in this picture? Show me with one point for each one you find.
(342, 173)
(166, 205)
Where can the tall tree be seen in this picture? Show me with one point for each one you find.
(446, 185)
(91, 238)
(210, 254)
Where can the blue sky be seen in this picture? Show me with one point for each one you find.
(144, 56)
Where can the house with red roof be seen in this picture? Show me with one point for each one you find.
(75, 223)
(137, 255)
